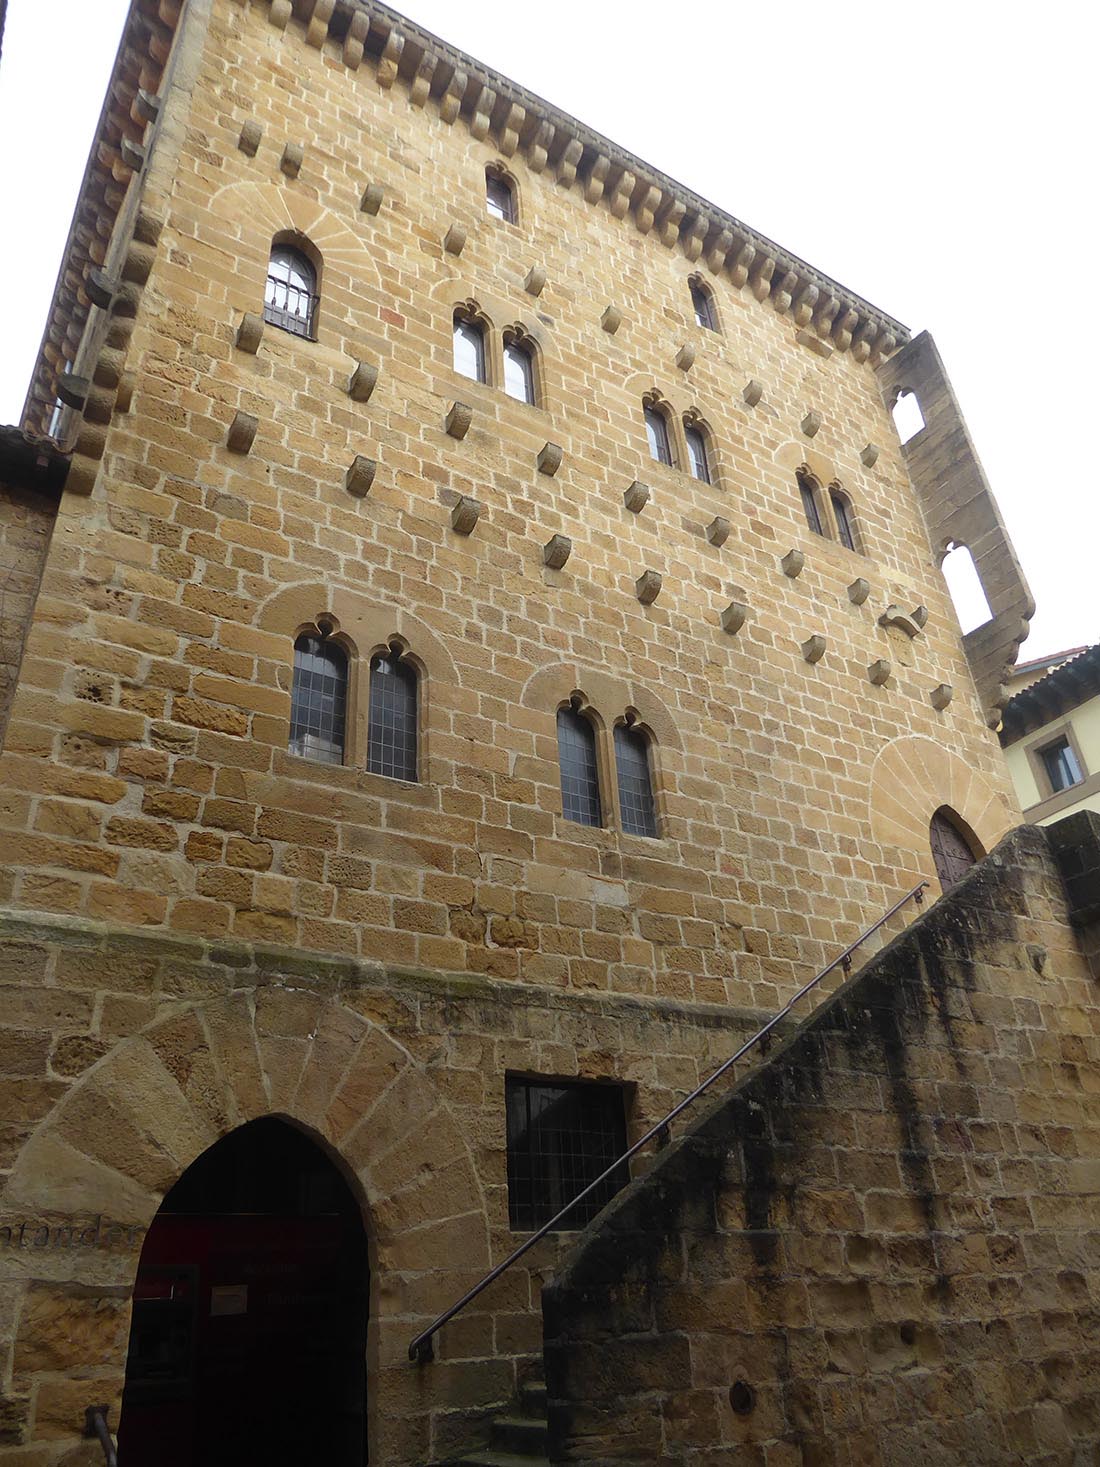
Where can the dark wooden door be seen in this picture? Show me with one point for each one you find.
(950, 851)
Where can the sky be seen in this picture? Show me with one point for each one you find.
(936, 159)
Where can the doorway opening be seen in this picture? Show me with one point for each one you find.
(248, 1339)
(955, 848)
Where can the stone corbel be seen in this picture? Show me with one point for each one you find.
(695, 235)
(279, 14)
(825, 315)
(752, 392)
(355, 40)
(481, 118)
(549, 459)
(242, 433)
(146, 107)
(390, 59)
(648, 587)
(362, 381)
(510, 128)
(454, 240)
(596, 182)
(249, 140)
(718, 531)
(557, 551)
(645, 212)
(813, 648)
(863, 340)
(636, 497)
(718, 250)
(291, 161)
(814, 343)
(250, 333)
(858, 591)
(360, 476)
(621, 193)
(739, 267)
(73, 391)
(611, 320)
(458, 420)
(465, 515)
(793, 563)
(669, 218)
(784, 285)
(868, 455)
(372, 198)
(908, 622)
(804, 303)
(450, 103)
(685, 357)
(884, 344)
(879, 672)
(811, 424)
(940, 696)
(845, 324)
(734, 616)
(760, 276)
(132, 155)
(568, 162)
(534, 281)
(319, 21)
(538, 149)
(420, 88)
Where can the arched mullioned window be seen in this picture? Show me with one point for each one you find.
(318, 699)
(500, 196)
(470, 357)
(695, 435)
(656, 427)
(811, 503)
(519, 368)
(579, 768)
(290, 295)
(392, 716)
(842, 515)
(702, 303)
(632, 764)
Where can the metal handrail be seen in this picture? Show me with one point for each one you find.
(421, 1347)
(95, 1425)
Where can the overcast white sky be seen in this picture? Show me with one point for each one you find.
(937, 158)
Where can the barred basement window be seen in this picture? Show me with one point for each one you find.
(290, 296)
(391, 717)
(580, 780)
(561, 1136)
(318, 699)
(657, 432)
(636, 807)
(812, 510)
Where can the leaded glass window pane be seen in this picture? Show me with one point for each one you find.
(391, 718)
(500, 198)
(318, 700)
(843, 522)
(290, 293)
(560, 1138)
(469, 349)
(519, 374)
(657, 431)
(697, 449)
(580, 781)
(810, 506)
(635, 782)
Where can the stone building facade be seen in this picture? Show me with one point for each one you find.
(205, 927)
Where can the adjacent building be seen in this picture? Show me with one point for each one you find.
(1051, 737)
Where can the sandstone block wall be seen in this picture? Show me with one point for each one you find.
(26, 522)
(146, 770)
(883, 1245)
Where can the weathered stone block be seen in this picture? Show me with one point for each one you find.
(636, 497)
(360, 476)
(549, 458)
(250, 333)
(465, 515)
(362, 381)
(557, 551)
(458, 420)
(242, 433)
(648, 587)
(793, 563)
(718, 531)
(249, 140)
(293, 155)
(813, 648)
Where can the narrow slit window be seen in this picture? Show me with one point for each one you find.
(810, 507)
(519, 372)
(290, 295)
(500, 198)
(636, 807)
(580, 779)
(318, 700)
(391, 718)
(657, 432)
(843, 517)
(469, 349)
(561, 1137)
(697, 452)
(702, 303)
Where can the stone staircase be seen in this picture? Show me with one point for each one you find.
(519, 1434)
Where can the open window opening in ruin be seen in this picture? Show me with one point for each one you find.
(248, 1337)
(908, 418)
(965, 585)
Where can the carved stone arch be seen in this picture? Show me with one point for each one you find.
(265, 211)
(911, 779)
(364, 627)
(609, 696)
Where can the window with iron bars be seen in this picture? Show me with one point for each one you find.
(561, 1136)
(290, 296)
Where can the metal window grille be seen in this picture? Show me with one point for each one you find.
(703, 306)
(697, 449)
(580, 780)
(635, 782)
(657, 432)
(500, 198)
(843, 522)
(391, 718)
(519, 372)
(469, 349)
(318, 700)
(1061, 765)
(810, 506)
(290, 301)
(560, 1137)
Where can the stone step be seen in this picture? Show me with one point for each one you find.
(532, 1395)
(501, 1459)
(520, 1434)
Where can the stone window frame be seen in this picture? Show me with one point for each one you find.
(518, 335)
(578, 704)
(632, 720)
(398, 648)
(836, 492)
(294, 241)
(488, 319)
(1034, 749)
(693, 421)
(824, 488)
(697, 286)
(469, 313)
(655, 401)
(327, 628)
(607, 766)
(496, 172)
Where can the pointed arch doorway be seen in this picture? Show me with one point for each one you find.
(955, 848)
(248, 1338)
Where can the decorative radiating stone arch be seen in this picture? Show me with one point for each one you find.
(912, 778)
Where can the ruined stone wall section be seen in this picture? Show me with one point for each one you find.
(959, 507)
(26, 523)
(882, 1246)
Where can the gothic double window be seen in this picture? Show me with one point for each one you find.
(514, 369)
(829, 516)
(579, 769)
(320, 704)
